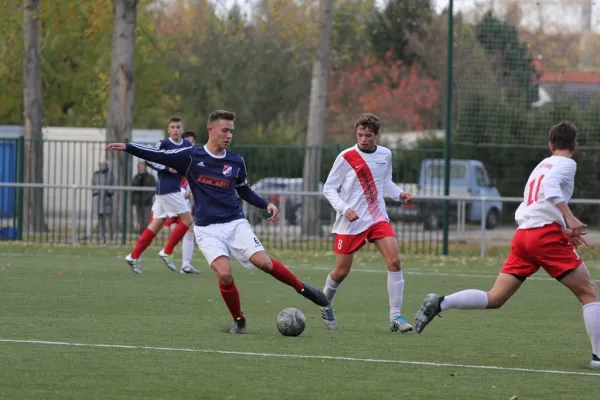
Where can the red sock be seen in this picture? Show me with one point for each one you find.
(143, 242)
(232, 299)
(282, 274)
(176, 237)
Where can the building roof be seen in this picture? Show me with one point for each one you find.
(570, 77)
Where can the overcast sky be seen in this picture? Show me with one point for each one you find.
(439, 4)
(555, 11)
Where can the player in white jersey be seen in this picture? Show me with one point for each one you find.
(547, 236)
(357, 182)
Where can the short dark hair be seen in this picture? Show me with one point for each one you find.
(370, 122)
(188, 134)
(563, 136)
(221, 114)
(174, 119)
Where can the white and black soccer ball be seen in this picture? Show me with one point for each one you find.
(291, 322)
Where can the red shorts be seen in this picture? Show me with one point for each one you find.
(348, 244)
(544, 247)
(168, 222)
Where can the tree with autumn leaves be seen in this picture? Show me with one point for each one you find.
(400, 94)
(194, 56)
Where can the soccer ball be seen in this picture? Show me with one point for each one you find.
(291, 322)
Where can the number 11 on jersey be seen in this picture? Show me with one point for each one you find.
(534, 190)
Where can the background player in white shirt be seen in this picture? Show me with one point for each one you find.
(357, 182)
(547, 235)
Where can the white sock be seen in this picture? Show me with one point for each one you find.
(395, 287)
(187, 249)
(330, 289)
(591, 316)
(469, 299)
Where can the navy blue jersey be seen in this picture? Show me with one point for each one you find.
(214, 180)
(168, 182)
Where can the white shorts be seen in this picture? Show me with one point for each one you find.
(235, 238)
(169, 205)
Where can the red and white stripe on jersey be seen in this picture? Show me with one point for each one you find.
(359, 180)
(365, 178)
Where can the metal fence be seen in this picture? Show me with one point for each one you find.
(72, 220)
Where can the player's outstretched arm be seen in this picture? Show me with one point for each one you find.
(245, 191)
(334, 182)
(178, 159)
(250, 196)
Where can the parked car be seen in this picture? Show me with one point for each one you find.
(292, 202)
(467, 178)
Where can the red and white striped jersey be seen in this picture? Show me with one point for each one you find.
(359, 180)
(550, 183)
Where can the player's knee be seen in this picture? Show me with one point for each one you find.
(264, 265)
(225, 278)
(588, 292)
(339, 274)
(393, 264)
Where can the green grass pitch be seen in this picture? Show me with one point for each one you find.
(163, 334)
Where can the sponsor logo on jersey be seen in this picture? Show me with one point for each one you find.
(208, 180)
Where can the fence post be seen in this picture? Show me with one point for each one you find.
(448, 123)
(483, 228)
(21, 179)
(74, 232)
(459, 217)
(281, 219)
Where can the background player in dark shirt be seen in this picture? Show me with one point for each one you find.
(169, 202)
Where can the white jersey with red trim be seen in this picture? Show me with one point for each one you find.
(358, 180)
(550, 183)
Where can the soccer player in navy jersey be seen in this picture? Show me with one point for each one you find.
(221, 229)
(169, 202)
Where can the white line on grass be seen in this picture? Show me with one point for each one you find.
(412, 271)
(335, 358)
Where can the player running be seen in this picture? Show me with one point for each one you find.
(215, 175)
(169, 202)
(547, 236)
(364, 175)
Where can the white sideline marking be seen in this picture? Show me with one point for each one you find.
(411, 271)
(335, 358)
